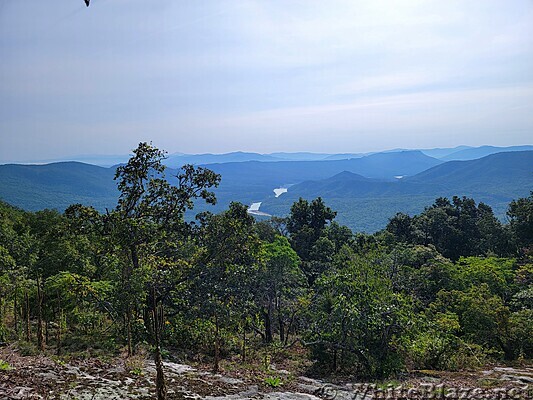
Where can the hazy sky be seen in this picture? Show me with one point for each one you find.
(289, 75)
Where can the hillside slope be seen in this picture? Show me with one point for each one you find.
(366, 205)
(482, 151)
(254, 181)
(381, 165)
(500, 173)
(57, 185)
(178, 160)
(362, 190)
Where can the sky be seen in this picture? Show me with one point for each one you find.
(273, 75)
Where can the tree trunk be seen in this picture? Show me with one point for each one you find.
(46, 331)
(243, 353)
(289, 328)
(281, 328)
(128, 271)
(268, 324)
(15, 312)
(59, 328)
(2, 318)
(128, 332)
(40, 335)
(157, 318)
(217, 347)
(28, 326)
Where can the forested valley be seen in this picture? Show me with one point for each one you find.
(449, 289)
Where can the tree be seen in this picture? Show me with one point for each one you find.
(7, 265)
(520, 214)
(421, 271)
(483, 316)
(53, 253)
(340, 235)
(306, 224)
(456, 228)
(356, 316)
(314, 215)
(18, 259)
(281, 282)
(401, 226)
(144, 225)
(497, 273)
(225, 269)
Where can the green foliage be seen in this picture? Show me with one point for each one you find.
(273, 381)
(456, 228)
(519, 334)
(281, 283)
(422, 272)
(438, 290)
(520, 214)
(433, 343)
(308, 236)
(79, 299)
(497, 273)
(306, 223)
(4, 365)
(27, 348)
(357, 317)
(483, 317)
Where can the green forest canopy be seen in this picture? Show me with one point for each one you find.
(448, 288)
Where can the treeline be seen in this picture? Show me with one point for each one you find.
(450, 288)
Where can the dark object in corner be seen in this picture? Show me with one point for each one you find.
(87, 2)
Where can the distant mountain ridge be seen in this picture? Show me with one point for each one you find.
(57, 185)
(495, 168)
(176, 160)
(380, 165)
(363, 190)
(482, 151)
(365, 204)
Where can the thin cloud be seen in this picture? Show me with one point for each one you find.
(228, 75)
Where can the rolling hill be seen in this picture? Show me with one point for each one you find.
(362, 190)
(57, 185)
(380, 165)
(177, 160)
(504, 173)
(254, 181)
(482, 151)
(365, 204)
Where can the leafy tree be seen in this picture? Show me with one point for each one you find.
(7, 265)
(18, 243)
(225, 269)
(402, 227)
(53, 253)
(520, 214)
(340, 235)
(456, 228)
(314, 215)
(497, 273)
(356, 317)
(306, 224)
(281, 282)
(421, 271)
(149, 213)
(483, 316)
(76, 300)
